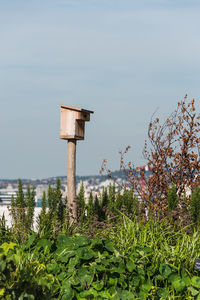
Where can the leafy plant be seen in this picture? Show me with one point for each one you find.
(195, 205)
(81, 268)
(172, 198)
(22, 212)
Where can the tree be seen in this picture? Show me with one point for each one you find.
(18, 213)
(173, 155)
(172, 198)
(30, 204)
(104, 201)
(118, 200)
(22, 212)
(58, 203)
(43, 220)
(90, 206)
(81, 202)
(111, 195)
(97, 208)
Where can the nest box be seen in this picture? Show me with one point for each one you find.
(72, 122)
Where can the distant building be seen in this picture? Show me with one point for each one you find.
(6, 195)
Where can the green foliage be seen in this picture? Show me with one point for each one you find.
(162, 242)
(81, 268)
(81, 203)
(22, 212)
(104, 198)
(118, 201)
(111, 195)
(43, 221)
(130, 259)
(97, 208)
(135, 206)
(5, 232)
(30, 204)
(172, 198)
(90, 207)
(195, 205)
(51, 222)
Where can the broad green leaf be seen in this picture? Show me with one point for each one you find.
(195, 281)
(143, 295)
(73, 262)
(174, 277)
(79, 288)
(193, 291)
(63, 241)
(115, 259)
(26, 296)
(159, 277)
(62, 276)
(30, 241)
(81, 241)
(147, 286)
(114, 297)
(165, 270)
(8, 246)
(177, 282)
(67, 293)
(97, 244)
(44, 282)
(85, 275)
(125, 295)
(179, 285)
(74, 281)
(44, 243)
(151, 270)
(135, 281)
(98, 285)
(109, 246)
(112, 281)
(2, 292)
(101, 268)
(104, 294)
(130, 265)
(2, 265)
(85, 253)
(122, 281)
(65, 255)
(53, 268)
(90, 292)
(163, 293)
(105, 262)
(141, 271)
(185, 278)
(198, 297)
(120, 269)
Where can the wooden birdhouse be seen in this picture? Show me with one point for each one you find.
(72, 122)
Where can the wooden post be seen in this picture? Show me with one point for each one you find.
(71, 181)
(72, 128)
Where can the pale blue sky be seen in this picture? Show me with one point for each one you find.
(120, 58)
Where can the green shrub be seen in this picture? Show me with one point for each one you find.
(22, 212)
(172, 198)
(195, 205)
(81, 268)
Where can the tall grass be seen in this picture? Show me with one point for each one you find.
(156, 242)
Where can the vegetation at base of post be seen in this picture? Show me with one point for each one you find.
(132, 260)
(137, 241)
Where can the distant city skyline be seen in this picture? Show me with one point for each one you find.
(122, 59)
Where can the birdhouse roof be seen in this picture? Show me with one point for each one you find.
(76, 108)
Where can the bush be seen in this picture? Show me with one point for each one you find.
(81, 268)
